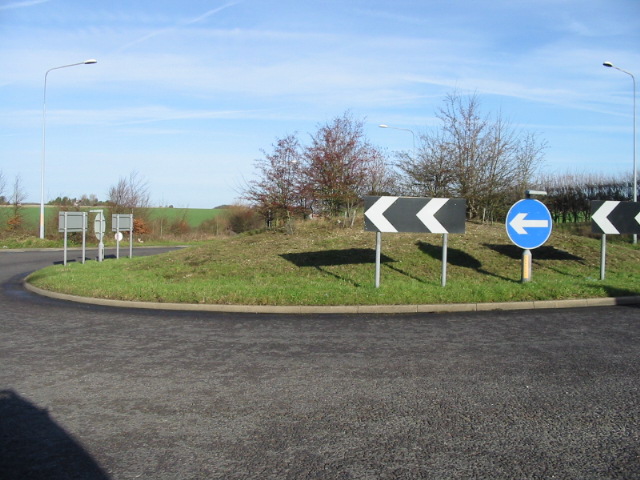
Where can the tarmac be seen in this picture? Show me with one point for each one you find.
(92, 392)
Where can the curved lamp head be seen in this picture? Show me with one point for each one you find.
(608, 64)
(90, 61)
(383, 126)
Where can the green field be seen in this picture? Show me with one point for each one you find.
(193, 216)
(31, 215)
(320, 264)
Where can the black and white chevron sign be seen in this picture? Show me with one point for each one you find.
(418, 215)
(613, 218)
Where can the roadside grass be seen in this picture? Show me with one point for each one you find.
(322, 265)
(25, 241)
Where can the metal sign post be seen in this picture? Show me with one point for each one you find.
(378, 250)
(99, 224)
(118, 235)
(445, 247)
(613, 218)
(603, 255)
(122, 223)
(65, 226)
(69, 222)
(417, 215)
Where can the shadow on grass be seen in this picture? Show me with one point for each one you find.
(35, 446)
(540, 253)
(458, 258)
(332, 258)
(622, 292)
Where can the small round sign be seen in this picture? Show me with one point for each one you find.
(119, 236)
(529, 223)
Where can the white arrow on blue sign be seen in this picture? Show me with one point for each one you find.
(529, 223)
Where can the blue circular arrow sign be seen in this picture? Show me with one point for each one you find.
(529, 223)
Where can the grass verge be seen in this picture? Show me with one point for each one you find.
(318, 265)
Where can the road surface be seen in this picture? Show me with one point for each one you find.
(91, 392)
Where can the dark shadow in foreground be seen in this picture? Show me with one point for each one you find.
(34, 447)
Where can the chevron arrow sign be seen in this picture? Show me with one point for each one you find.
(613, 218)
(417, 215)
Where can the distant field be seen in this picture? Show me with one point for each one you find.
(193, 216)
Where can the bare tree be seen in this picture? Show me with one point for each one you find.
(429, 172)
(471, 155)
(129, 193)
(18, 196)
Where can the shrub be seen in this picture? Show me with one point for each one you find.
(14, 223)
(141, 227)
(180, 227)
(243, 219)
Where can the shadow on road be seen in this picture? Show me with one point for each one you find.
(33, 446)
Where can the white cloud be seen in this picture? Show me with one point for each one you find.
(25, 4)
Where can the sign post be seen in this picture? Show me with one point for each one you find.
(378, 250)
(122, 223)
(417, 215)
(99, 227)
(69, 222)
(528, 226)
(613, 218)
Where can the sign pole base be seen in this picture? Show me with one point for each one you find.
(526, 266)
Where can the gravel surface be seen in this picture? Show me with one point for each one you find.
(98, 393)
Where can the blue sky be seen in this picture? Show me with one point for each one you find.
(188, 93)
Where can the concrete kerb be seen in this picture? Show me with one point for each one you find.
(343, 309)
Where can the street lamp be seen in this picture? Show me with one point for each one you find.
(44, 118)
(635, 170)
(413, 135)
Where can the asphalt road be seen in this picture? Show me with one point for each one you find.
(92, 392)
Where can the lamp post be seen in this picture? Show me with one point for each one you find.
(413, 135)
(635, 170)
(44, 123)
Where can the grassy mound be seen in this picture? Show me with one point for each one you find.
(322, 265)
